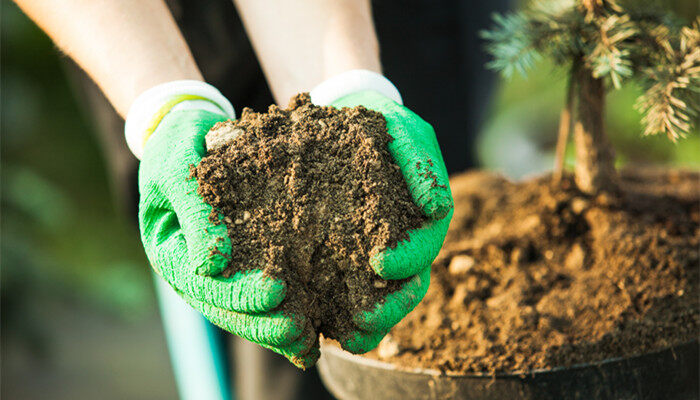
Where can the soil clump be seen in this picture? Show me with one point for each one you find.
(532, 276)
(308, 194)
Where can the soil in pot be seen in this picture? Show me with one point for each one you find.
(532, 276)
(308, 194)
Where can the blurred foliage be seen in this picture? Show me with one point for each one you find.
(61, 233)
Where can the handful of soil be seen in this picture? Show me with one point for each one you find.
(308, 194)
(533, 276)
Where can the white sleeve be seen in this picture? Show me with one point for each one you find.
(144, 109)
(350, 82)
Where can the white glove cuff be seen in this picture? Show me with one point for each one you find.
(350, 82)
(153, 104)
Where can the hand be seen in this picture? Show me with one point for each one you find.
(190, 252)
(416, 151)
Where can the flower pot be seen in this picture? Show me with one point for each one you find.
(667, 374)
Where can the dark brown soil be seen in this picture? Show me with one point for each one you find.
(308, 194)
(532, 277)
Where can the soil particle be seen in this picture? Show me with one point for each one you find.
(308, 194)
(460, 264)
(558, 278)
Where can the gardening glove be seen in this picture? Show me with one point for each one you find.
(415, 149)
(166, 127)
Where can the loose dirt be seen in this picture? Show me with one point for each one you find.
(308, 194)
(535, 277)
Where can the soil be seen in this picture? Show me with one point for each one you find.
(534, 277)
(308, 194)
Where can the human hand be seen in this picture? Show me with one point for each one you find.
(190, 252)
(416, 151)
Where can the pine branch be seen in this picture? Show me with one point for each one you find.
(511, 45)
(558, 30)
(594, 9)
(609, 56)
(518, 40)
(670, 102)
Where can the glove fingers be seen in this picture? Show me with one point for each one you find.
(414, 254)
(161, 233)
(302, 361)
(273, 329)
(361, 342)
(395, 306)
(181, 136)
(307, 360)
(306, 341)
(426, 179)
(245, 291)
(292, 336)
(304, 352)
(414, 149)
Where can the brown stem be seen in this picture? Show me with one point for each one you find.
(563, 137)
(595, 157)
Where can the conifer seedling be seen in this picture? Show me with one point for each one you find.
(604, 43)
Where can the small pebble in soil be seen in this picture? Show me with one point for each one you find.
(387, 347)
(221, 135)
(379, 284)
(517, 256)
(461, 264)
(576, 257)
(530, 223)
(578, 205)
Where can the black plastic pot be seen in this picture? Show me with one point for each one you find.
(668, 374)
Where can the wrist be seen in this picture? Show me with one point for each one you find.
(138, 82)
(151, 106)
(353, 81)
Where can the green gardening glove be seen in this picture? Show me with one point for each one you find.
(190, 252)
(416, 151)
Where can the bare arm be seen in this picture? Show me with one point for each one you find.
(129, 46)
(303, 42)
(126, 46)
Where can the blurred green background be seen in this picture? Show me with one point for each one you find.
(78, 311)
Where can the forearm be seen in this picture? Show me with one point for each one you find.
(126, 46)
(301, 43)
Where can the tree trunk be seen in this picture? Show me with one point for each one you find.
(595, 157)
(564, 129)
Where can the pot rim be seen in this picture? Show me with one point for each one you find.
(328, 346)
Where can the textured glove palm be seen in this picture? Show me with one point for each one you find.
(190, 252)
(416, 151)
